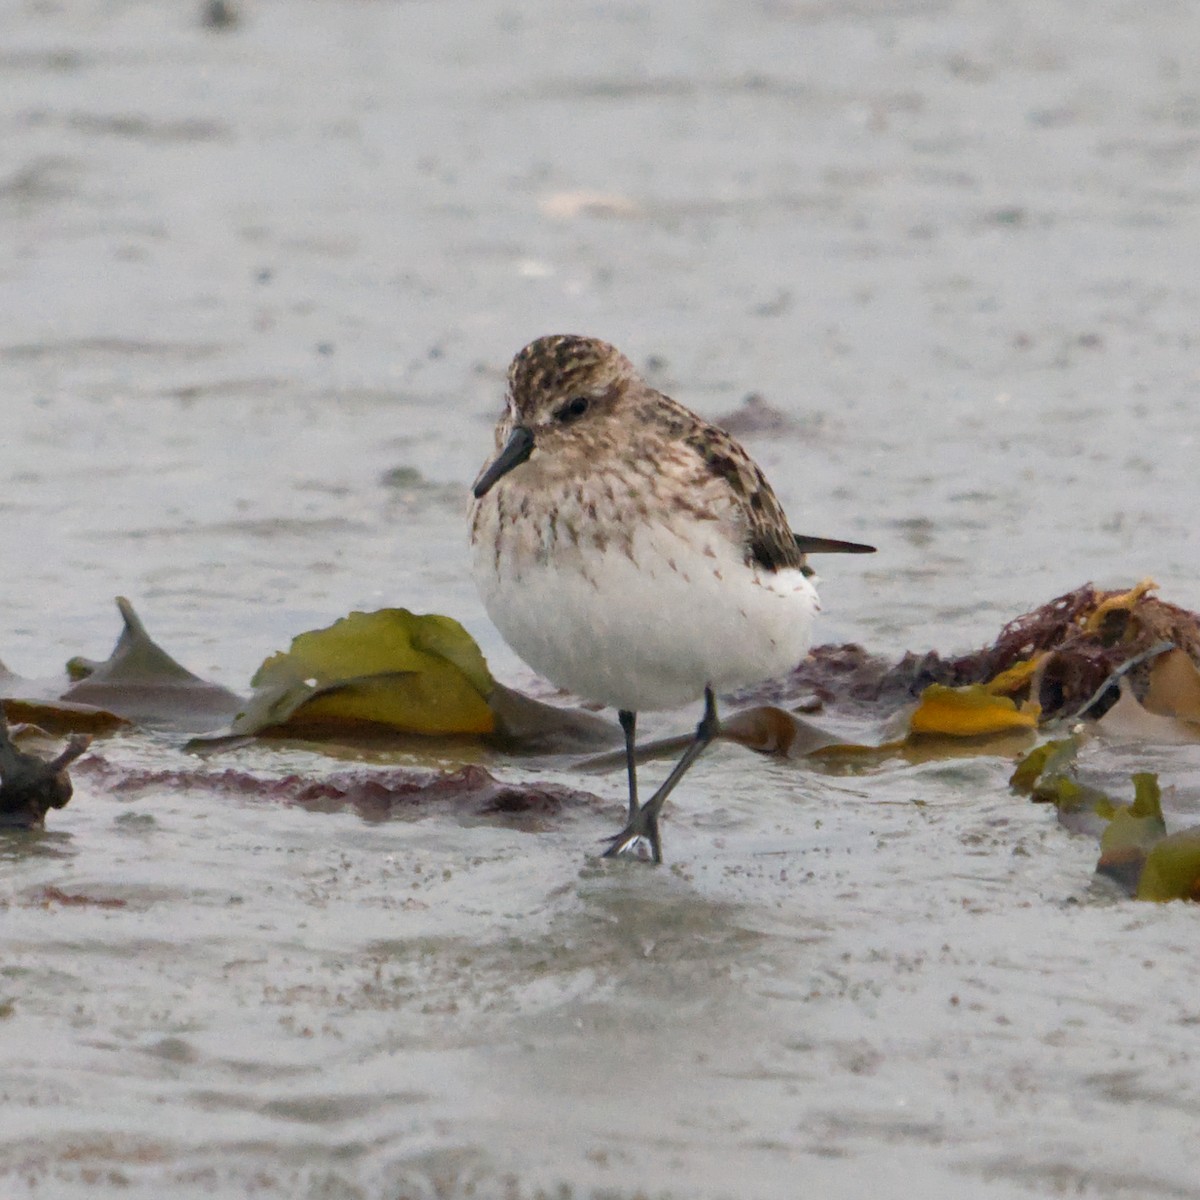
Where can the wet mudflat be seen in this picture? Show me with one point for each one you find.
(259, 286)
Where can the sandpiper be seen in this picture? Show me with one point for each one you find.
(633, 553)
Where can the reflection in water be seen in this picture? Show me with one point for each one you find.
(19, 844)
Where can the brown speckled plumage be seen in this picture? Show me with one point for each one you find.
(676, 457)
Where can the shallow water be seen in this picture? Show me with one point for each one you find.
(259, 288)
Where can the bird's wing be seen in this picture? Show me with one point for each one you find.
(769, 540)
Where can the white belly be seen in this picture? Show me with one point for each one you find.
(651, 624)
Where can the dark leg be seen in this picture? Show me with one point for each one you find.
(643, 823)
(628, 724)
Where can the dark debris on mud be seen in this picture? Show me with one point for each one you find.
(30, 786)
(374, 794)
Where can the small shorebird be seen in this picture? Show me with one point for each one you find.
(633, 553)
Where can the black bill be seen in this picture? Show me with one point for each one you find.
(516, 450)
(820, 545)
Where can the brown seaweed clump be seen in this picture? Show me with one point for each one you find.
(1060, 655)
(1063, 653)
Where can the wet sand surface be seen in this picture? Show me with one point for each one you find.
(260, 285)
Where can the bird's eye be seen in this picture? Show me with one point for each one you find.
(573, 409)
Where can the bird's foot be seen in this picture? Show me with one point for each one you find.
(641, 827)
